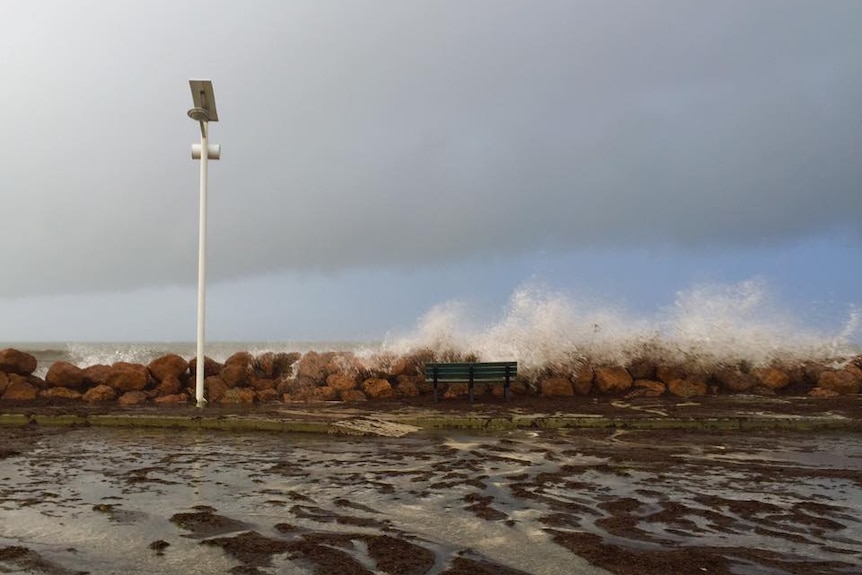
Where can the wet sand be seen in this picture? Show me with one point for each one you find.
(525, 500)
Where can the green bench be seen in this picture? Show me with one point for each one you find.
(470, 373)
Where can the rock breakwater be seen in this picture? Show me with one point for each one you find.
(314, 376)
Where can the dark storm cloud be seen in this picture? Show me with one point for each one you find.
(398, 134)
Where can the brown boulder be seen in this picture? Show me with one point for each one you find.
(734, 381)
(582, 380)
(312, 366)
(96, 375)
(841, 381)
(687, 388)
(772, 378)
(132, 398)
(243, 395)
(516, 387)
(236, 374)
(170, 399)
(822, 393)
(351, 395)
(650, 387)
(340, 382)
(64, 374)
(406, 386)
(241, 359)
(262, 384)
(556, 387)
(641, 368)
(61, 393)
(17, 362)
(170, 365)
(19, 389)
(310, 393)
(344, 362)
(214, 388)
(412, 363)
(100, 393)
(169, 386)
(126, 376)
(211, 367)
(456, 390)
(377, 389)
(268, 395)
(668, 373)
(275, 365)
(613, 380)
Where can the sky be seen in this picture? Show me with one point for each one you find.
(381, 158)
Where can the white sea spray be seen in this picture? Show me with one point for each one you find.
(708, 324)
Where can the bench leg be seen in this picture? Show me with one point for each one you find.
(506, 386)
(471, 385)
(435, 390)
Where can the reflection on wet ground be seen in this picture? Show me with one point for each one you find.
(568, 501)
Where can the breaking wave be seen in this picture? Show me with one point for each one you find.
(707, 324)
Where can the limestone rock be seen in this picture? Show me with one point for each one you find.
(613, 380)
(65, 374)
(100, 394)
(18, 362)
(170, 365)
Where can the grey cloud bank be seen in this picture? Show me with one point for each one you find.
(396, 135)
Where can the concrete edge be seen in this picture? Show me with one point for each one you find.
(472, 423)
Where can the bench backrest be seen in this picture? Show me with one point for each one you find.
(460, 372)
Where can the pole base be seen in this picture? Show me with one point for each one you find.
(202, 402)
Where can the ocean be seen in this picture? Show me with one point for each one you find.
(710, 325)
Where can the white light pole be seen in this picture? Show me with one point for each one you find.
(204, 112)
